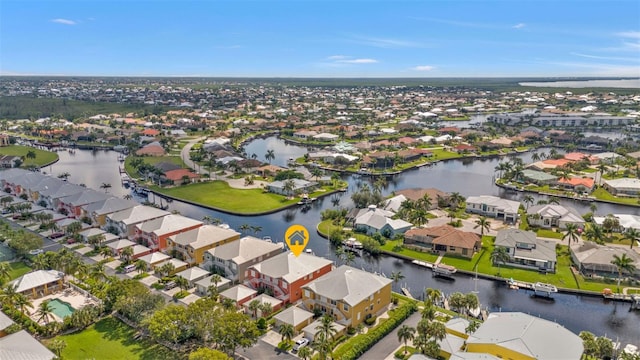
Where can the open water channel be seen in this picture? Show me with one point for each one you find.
(468, 177)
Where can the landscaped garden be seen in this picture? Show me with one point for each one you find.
(31, 156)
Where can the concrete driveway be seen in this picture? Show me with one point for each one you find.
(264, 351)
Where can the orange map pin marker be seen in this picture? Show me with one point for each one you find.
(297, 238)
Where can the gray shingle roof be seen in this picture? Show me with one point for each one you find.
(348, 284)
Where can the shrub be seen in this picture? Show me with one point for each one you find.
(262, 324)
(370, 320)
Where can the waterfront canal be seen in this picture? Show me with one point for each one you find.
(468, 177)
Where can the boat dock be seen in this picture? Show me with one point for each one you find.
(538, 288)
(423, 264)
(407, 293)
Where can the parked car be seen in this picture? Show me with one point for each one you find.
(170, 285)
(56, 235)
(36, 252)
(300, 344)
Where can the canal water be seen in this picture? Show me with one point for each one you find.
(468, 177)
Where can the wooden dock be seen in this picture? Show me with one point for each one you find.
(407, 293)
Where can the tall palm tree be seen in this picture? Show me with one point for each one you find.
(326, 332)
(624, 264)
(270, 155)
(527, 200)
(244, 228)
(571, 233)
(9, 295)
(105, 251)
(287, 331)
(484, 224)
(396, 276)
(182, 283)
(141, 266)
(31, 155)
(22, 303)
(44, 312)
(265, 309)
(499, 256)
(595, 233)
(349, 258)
(57, 346)
(105, 187)
(126, 254)
(254, 306)
(631, 234)
(305, 353)
(5, 271)
(406, 333)
(433, 295)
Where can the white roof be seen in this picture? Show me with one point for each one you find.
(175, 262)
(290, 267)
(5, 321)
(137, 214)
(528, 335)
(508, 206)
(35, 279)
(245, 249)
(563, 213)
(264, 298)
(204, 236)
(193, 273)
(293, 316)
(120, 244)
(393, 204)
(627, 221)
(312, 329)
(167, 224)
(624, 183)
(206, 282)
(348, 284)
(154, 257)
(238, 292)
(22, 346)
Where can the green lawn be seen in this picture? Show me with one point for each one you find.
(549, 234)
(43, 157)
(602, 194)
(150, 160)
(219, 194)
(18, 269)
(111, 339)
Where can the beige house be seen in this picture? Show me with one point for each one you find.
(349, 295)
(235, 258)
(191, 245)
(39, 283)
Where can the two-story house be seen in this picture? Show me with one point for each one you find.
(154, 233)
(493, 206)
(125, 221)
(285, 274)
(234, 258)
(191, 245)
(349, 295)
(98, 211)
(526, 250)
(73, 204)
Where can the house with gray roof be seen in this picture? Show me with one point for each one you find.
(202, 285)
(518, 335)
(240, 294)
(526, 250)
(73, 203)
(595, 260)
(374, 220)
(493, 206)
(39, 283)
(551, 215)
(623, 187)
(98, 211)
(125, 221)
(22, 346)
(234, 258)
(298, 186)
(297, 317)
(538, 177)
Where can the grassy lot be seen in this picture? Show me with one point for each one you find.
(111, 339)
(549, 234)
(150, 160)
(42, 157)
(219, 194)
(18, 269)
(602, 194)
(440, 154)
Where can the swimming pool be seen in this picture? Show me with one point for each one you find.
(60, 308)
(6, 253)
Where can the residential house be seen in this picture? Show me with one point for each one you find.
(435, 196)
(512, 335)
(492, 206)
(276, 304)
(325, 137)
(310, 331)
(180, 176)
(73, 204)
(203, 285)
(372, 220)
(550, 215)
(444, 238)
(577, 184)
(155, 232)
(118, 245)
(297, 317)
(240, 294)
(52, 196)
(22, 346)
(191, 245)
(527, 251)
(98, 211)
(299, 186)
(124, 222)
(9, 161)
(348, 295)
(305, 134)
(623, 187)
(178, 265)
(595, 260)
(538, 177)
(193, 274)
(38, 283)
(154, 259)
(151, 149)
(4, 140)
(5, 322)
(285, 274)
(626, 221)
(234, 258)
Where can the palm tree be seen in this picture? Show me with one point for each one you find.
(305, 353)
(528, 200)
(126, 254)
(484, 224)
(288, 187)
(57, 346)
(31, 155)
(349, 258)
(406, 333)
(105, 252)
(64, 176)
(22, 303)
(256, 229)
(455, 200)
(595, 232)
(433, 295)
(270, 155)
(45, 312)
(5, 271)
(105, 187)
(254, 306)
(396, 276)
(182, 283)
(326, 332)
(9, 295)
(631, 234)
(40, 262)
(499, 256)
(265, 309)
(572, 233)
(207, 219)
(287, 331)
(623, 263)
(141, 266)
(244, 228)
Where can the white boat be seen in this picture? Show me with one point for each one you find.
(267, 238)
(631, 349)
(444, 270)
(543, 287)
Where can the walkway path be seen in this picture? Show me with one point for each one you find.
(386, 347)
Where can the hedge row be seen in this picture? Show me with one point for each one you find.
(358, 345)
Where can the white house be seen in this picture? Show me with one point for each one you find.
(487, 205)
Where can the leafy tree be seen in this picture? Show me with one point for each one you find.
(169, 324)
(235, 330)
(57, 345)
(204, 353)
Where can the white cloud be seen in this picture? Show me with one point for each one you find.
(606, 57)
(423, 68)
(359, 61)
(337, 57)
(519, 26)
(629, 34)
(64, 21)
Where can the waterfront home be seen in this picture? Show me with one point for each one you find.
(444, 238)
(38, 283)
(551, 215)
(305, 134)
(9, 161)
(124, 222)
(538, 177)
(73, 204)
(98, 211)
(372, 220)
(203, 285)
(495, 207)
(191, 245)
(234, 258)
(513, 335)
(285, 274)
(626, 221)
(326, 137)
(179, 176)
(151, 149)
(623, 187)
(297, 317)
(348, 295)
(52, 195)
(268, 170)
(394, 203)
(298, 186)
(240, 294)
(435, 196)
(595, 260)
(21, 346)
(526, 251)
(578, 156)
(607, 157)
(577, 184)
(155, 232)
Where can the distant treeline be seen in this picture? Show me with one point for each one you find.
(24, 107)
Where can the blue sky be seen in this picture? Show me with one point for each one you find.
(320, 38)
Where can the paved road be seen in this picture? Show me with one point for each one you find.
(264, 351)
(385, 348)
